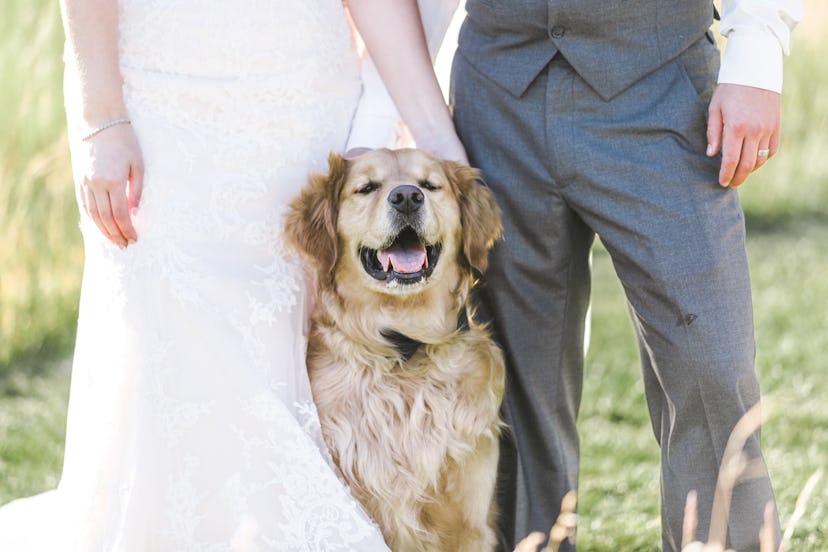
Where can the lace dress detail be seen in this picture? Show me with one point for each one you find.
(191, 424)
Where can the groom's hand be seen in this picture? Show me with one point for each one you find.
(744, 122)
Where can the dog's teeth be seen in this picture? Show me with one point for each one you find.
(384, 259)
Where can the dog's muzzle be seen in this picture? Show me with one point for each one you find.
(407, 259)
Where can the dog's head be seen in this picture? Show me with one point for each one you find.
(394, 221)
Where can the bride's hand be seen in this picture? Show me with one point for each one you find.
(446, 146)
(452, 151)
(355, 152)
(393, 35)
(112, 181)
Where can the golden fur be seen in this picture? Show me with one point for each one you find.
(416, 440)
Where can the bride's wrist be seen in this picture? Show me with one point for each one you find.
(436, 134)
(445, 145)
(97, 113)
(101, 98)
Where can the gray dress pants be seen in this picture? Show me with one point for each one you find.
(565, 165)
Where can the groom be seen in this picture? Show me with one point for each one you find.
(591, 117)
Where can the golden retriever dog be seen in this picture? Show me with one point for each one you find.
(408, 387)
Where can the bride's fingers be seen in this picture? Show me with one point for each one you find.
(92, 210)
(102, 201)
(120, 215)
(83, 198)
(136, 185)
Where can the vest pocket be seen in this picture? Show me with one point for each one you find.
(699, 64)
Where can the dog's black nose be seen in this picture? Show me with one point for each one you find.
(406, 198)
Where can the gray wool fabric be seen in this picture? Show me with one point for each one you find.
(579, 132)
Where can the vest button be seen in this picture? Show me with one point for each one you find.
(557, 31)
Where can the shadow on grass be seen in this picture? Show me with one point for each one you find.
(789, 222)
(49, 355)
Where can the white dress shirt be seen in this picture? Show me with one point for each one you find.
(758, 35)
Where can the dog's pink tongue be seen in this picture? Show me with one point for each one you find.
(404, 259)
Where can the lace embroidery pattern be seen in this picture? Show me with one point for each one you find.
(201, 383)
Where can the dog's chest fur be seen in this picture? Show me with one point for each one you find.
(406, 434)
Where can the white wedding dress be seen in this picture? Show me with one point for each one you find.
(191, 425)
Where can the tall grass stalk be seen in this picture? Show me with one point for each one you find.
(40, 249)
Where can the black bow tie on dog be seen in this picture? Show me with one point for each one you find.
(407, 346)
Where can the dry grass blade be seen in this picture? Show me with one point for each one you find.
(565, 525)
(688, 528)
(531, 542)
(735, 467)
(766, 533)
(564, 529)
(732, 467)
(799, 509)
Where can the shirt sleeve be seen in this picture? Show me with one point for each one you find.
(376, 122)
(758, 34)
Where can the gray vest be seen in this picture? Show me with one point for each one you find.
(610, 43)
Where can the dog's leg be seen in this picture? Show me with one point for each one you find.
(465, 520)
(479, 488)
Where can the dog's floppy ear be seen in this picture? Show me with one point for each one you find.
(479, 214)
(310, 223)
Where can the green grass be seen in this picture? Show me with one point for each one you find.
(40, 246)
(32, 431)
(40, 268)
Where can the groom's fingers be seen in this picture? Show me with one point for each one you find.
(732, 145)
(714, 129)
(747, 161)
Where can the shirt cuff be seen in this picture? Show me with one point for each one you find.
(753, 57)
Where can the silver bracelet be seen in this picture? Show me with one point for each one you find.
(104, 126)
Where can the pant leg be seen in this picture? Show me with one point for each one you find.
(677, 241)
(536, 291)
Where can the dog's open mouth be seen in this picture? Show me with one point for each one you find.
(406, 260)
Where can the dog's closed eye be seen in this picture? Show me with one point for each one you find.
(428, 185)
(368, 188)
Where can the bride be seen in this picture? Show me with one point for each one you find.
(192, 123)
